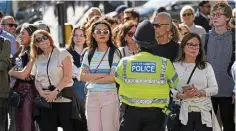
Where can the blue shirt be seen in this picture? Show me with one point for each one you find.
(11, 38)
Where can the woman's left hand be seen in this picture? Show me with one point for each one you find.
(52, 95)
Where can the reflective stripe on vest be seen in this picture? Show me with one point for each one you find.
(160, 81)
(144, 101)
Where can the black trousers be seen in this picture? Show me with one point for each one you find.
(226, 111)
(60, 114)
(142, 119)
(194, 123)
(3, 114)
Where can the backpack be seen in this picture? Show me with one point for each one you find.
(110, 57)
(233, 50)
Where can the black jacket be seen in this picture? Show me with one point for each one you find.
(202, 21)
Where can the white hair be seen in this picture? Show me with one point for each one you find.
(186, 7)
(166, 15)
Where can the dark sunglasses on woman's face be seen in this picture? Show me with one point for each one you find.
(187, 14)
(130, 34)
(39, 39)
(11, 25)
(99, 32)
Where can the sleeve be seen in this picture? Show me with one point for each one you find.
(171, 75)
(212, 86)
(233, 72)
(116, 59)
(34, 69)
(63, 54)
(85, 62)
(5, 52)
(119, 72)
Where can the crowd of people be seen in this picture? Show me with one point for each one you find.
(120, 73)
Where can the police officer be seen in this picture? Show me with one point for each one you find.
(145, 81)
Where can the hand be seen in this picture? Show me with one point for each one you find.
(233, 99)
(52, 96)
(43, 94)
(85, 70)
(11, 70)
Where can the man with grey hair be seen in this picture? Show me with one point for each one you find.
(166, 47)
(8, 30)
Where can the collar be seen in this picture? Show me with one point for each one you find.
(203, 15)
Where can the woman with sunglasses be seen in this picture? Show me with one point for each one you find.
(53, 80)
(194, 90)
(102, 104)
(187, 17)
(77, 50)
(24, 84)
(124, 40)
(183, 29)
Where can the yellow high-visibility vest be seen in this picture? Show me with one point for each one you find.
(145, 80)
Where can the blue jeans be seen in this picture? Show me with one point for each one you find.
(79, 88)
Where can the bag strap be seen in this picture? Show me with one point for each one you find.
(100, 61)
(48, 65)
(191, 74)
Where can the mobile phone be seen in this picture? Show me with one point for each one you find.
(187, 87)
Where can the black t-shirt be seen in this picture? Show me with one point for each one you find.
(76, 57)
(169, 50)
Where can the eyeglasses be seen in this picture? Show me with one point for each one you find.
(193, 46)
(99, 32)
(11, 25)
(158, 25)
(187, 14)
(130, 34)
(217, 15)
(40, 39)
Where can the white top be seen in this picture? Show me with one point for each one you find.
(125, 51)
(203, 80)
(55, 68)
(197, 29)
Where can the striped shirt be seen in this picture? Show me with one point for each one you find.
(104, 67)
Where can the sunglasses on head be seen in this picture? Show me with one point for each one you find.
(187, 14)
(11, 25)
(158, 25)
(99, 32)
(39, 39)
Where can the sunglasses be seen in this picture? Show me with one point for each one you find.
(187, 14)
(99, 32)
(40, 39)
(11, 25)
(130, 34)
(159, 25)
(207, 6)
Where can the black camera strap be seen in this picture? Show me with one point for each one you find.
(191, 74)
(48, 65)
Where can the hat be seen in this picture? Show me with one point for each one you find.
(121, 8)
(41, 25)
(145, 35)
